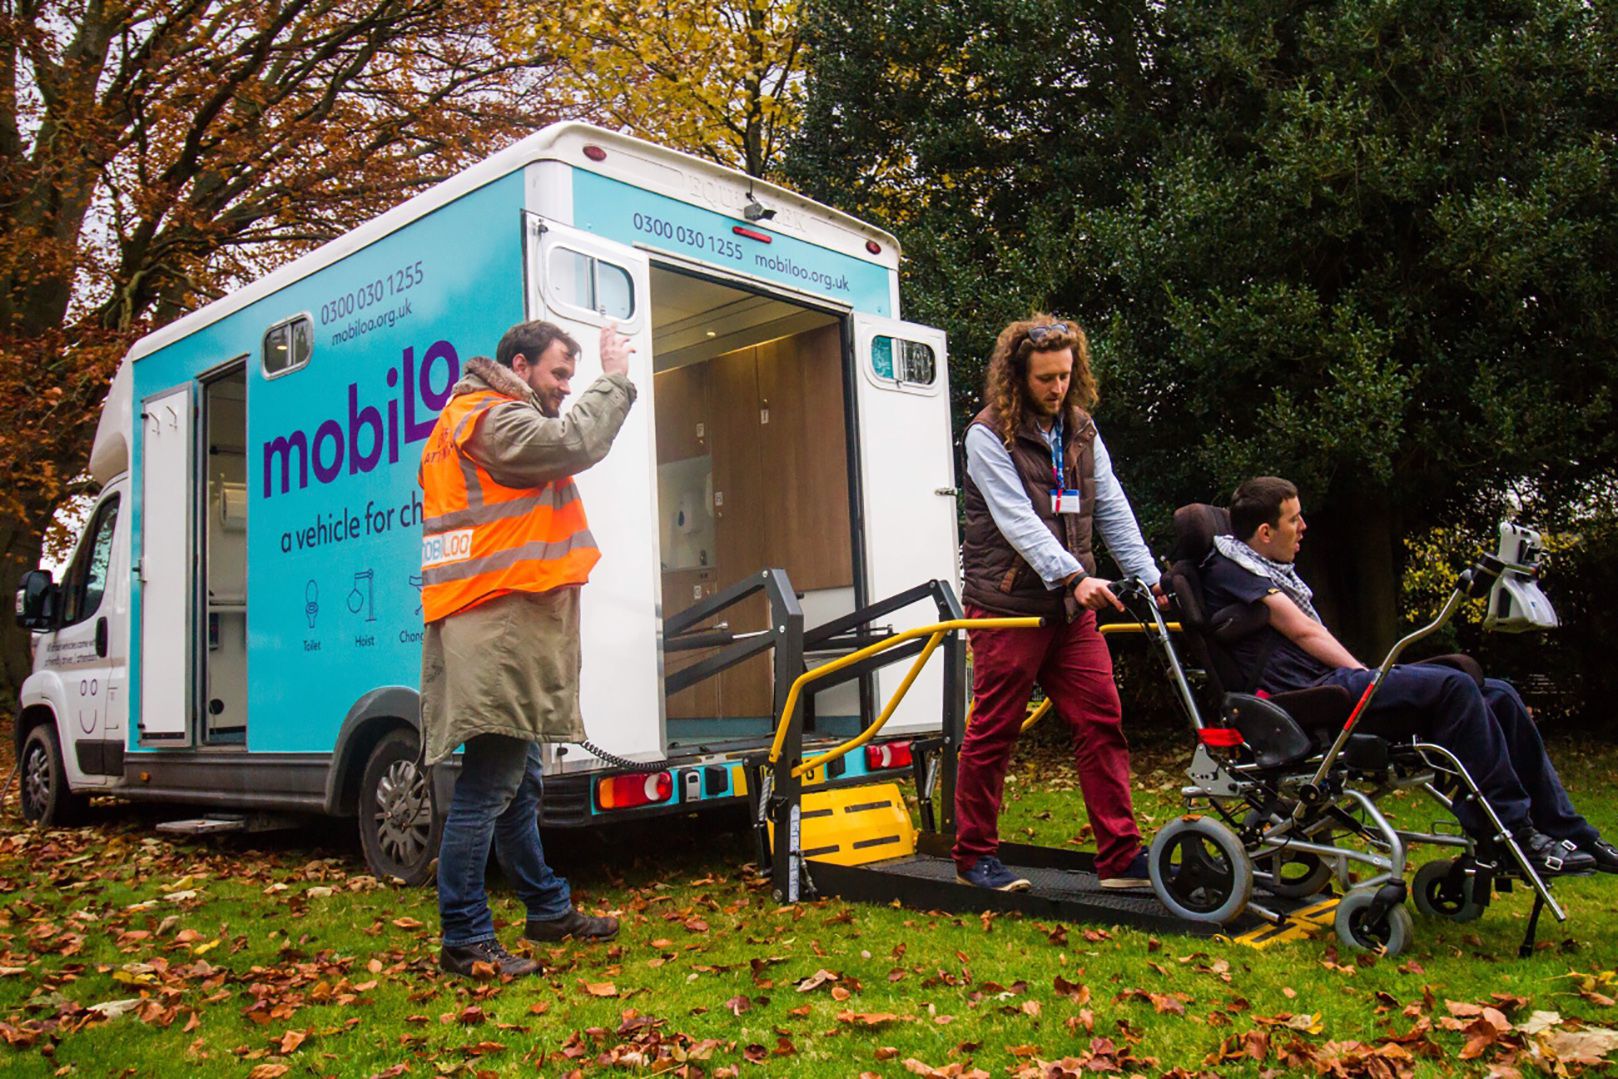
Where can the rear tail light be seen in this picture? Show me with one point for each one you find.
(887, 755)
(627, 792)
(1222, 737)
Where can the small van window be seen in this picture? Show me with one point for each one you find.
(86, 580)
(586, 282)
(288, 346)
(903, 361)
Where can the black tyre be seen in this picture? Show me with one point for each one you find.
(46, 799)
(1359, 927)
(400, 825)
(1438, 895)
(1292, 874)
(1200, 870)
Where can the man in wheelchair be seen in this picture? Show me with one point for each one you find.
(1482, 721)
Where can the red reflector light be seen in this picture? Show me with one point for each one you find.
(595, 153)
(873, 247)
(887, 755)
(1223, 737)
(627, 792)
(752, 234)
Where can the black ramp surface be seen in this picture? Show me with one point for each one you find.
(1064, 888)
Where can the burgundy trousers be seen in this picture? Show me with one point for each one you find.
(1072, 664)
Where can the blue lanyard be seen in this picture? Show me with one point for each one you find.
(1056, 447)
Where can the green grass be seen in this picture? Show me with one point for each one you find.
(240, 941)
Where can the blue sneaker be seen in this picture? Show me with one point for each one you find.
(989, 873)
(1135, 875)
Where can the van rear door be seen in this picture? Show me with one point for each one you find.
(582, 282)
(907, 486)
(167, 557)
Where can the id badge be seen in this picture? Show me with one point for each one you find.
(1065, 501)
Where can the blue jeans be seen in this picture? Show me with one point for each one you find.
(496, 802)
(1490, 732)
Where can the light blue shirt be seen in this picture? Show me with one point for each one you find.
(989, 464)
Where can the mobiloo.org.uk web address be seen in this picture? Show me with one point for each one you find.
(361, 326)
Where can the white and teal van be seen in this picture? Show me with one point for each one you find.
(239, 629)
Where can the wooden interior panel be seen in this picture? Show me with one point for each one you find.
(805, 451)
(773, 426)
(741, 501)
(682, 588)
(681, 398)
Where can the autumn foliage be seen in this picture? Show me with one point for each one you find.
(153, 155)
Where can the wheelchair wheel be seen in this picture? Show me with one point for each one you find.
(1437, 896)
(1200, 870)
(1361, 929)
(1292, 875)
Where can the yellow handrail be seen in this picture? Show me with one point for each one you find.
(1037, 714)
(1135, 627)
(935, 631)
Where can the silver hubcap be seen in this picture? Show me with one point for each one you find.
(36, 779)
(404, 813)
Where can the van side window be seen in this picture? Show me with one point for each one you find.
(86, 579)
(903, 361)
(584, 281)
(288, 346)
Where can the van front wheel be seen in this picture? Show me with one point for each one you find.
(46, 798)
(400, 827)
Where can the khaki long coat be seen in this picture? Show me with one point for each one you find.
(510, 665)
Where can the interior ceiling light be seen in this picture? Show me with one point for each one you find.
(713, 333)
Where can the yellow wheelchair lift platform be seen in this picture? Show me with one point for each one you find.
(856, 825)
(858, 842)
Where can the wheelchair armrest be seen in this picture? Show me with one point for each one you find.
(1460, 662)
(1317, 706)
(1232, 623)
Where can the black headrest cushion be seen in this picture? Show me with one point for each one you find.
(1195, 527)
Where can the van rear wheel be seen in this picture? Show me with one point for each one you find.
(46, 798)
(400, 826)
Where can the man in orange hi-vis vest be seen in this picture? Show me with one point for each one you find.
(505, 547)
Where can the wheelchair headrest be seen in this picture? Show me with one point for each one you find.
(1195, 526)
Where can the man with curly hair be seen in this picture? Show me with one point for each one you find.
(1038, 482)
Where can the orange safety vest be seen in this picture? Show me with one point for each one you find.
(481, 539)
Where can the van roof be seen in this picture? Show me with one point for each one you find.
(627, 158)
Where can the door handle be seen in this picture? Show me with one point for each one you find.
(101, 637)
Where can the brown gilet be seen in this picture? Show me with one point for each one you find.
(996, 577)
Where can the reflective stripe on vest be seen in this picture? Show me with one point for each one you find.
(480, 538)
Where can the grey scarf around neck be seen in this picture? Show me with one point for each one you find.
(1283, 574)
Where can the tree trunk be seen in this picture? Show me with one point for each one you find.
(1350, 559)
(19, 552)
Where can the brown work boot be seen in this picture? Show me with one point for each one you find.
(463, 960)
(574, 924)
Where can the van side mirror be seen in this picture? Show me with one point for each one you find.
(37, 600)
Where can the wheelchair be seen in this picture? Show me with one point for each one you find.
(1284, 791)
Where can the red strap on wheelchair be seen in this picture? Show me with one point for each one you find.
(1221, 737)
(1360, 707)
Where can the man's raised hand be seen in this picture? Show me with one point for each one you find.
(615, 351)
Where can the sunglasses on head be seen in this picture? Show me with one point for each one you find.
(1036, 334)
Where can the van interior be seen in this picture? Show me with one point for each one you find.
(224, 539)
(752, 472)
